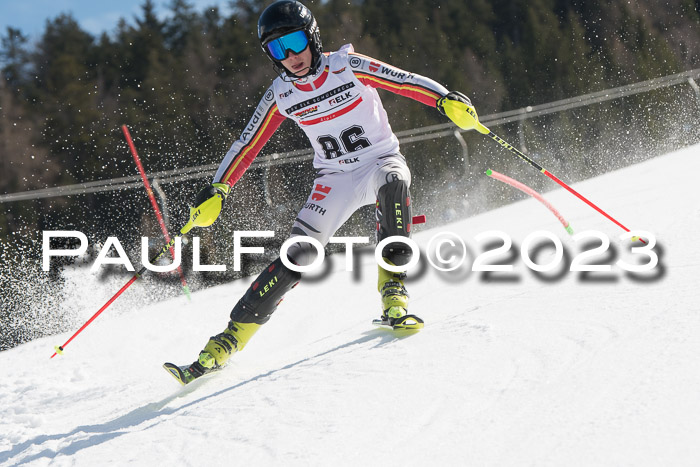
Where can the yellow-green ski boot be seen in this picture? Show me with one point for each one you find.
(248, 315)
(216, 353)
(395, 302)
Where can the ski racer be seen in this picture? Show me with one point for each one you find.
(333, 98)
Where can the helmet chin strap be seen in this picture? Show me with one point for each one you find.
(289, 76)
(295, 75)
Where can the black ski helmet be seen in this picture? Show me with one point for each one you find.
(283, 17)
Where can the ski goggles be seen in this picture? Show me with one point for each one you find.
(295, 41)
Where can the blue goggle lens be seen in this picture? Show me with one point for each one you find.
(295, 41)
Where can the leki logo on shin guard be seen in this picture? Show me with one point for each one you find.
(268, 286)
(399, 215)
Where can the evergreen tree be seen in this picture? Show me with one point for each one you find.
(64, 91)
(14, 58)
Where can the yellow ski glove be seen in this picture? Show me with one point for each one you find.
(208, 204)
(458, 108)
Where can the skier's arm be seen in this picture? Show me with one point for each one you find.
(377, 74)
(209, 201)
(266, 119)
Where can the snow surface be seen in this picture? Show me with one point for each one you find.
(602, 369)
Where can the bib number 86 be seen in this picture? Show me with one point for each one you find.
(350, 138)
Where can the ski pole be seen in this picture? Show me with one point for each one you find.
(466, 118)
(152, 198)
(161, 253)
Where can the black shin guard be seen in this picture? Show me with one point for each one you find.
(394, 218)
(263, 296)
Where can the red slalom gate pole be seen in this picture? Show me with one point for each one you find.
(154, 203)
(526, 189)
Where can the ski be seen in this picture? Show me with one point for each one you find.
(407, 322)
(182, 373)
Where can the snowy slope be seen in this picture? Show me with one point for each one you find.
(601, 370)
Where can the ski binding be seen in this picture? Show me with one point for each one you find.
(180, 373)
(405, 322)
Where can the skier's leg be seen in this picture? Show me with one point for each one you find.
(329, 205)
(394, 219)
(331, 202)
(252, 311)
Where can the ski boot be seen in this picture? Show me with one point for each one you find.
(252, 311)
(216, 353)
(395, 302)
